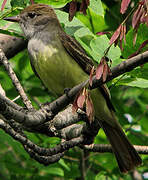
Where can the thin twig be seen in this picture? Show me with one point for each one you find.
(15, 80)
(102, 148)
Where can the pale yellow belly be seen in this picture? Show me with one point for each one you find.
(59, 70)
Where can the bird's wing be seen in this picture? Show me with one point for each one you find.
(85, 62)
(76, 51)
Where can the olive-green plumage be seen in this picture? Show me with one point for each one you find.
(61, 62)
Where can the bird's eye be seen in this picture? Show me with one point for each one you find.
(31, 15)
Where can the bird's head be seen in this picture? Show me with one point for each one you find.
(35, 18)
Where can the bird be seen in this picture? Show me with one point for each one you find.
(60, 62)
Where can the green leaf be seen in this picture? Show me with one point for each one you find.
(140, 72)
(85, 20)
(63, 18)
(138, 82)
(93, 21)
(142, 35)
(63, 164)
(54, 171)
(96, 6)
(55, 3)
(10, 33)
(102, 176)
(100, 44)
(84, 37)
(69, 27)
(84, 32)
(98, 23)
(19, 3)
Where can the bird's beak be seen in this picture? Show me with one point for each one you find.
(13, 18)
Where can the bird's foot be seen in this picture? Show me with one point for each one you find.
(66, 91)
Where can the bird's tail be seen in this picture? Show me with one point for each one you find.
(126, 155)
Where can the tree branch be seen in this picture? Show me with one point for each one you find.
(46, 160)
(11, 45)
(102, 148)
(15, 80)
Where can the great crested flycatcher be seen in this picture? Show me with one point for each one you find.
(61, 62)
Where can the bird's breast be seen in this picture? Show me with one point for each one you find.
(55, 67)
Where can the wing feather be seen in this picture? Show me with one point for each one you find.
(85, 62)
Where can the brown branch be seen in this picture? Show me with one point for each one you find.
(82, 165)
(60, 148)
(15, 80)
(63, 125)
(102, 148)
(11, 45)
(29, 119)
(46, 160)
